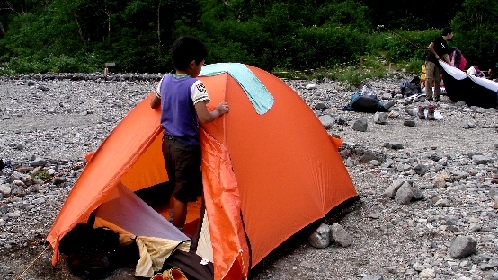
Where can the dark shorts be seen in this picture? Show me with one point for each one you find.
(183, 165)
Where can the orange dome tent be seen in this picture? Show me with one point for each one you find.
(269, 169)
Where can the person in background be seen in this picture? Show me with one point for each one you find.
(438, 50)
(458, 60)
(474, 70)
(183, 100)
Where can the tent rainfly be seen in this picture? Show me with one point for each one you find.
(269, 169)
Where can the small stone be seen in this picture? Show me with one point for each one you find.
(361, 125)
(462, 247)
(394, 145)
(409, 123)
(310, 86)
(420, 169)
(327, 121)
(380, 118)
(428, 273)
(340, 235)
(442, 202)
(320, 238)
(404, 194)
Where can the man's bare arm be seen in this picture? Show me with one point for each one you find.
(155, 102)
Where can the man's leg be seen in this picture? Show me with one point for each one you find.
(429, 79)
(179, 213)
(437, 84)
(188, 185)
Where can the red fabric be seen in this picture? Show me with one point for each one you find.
(463, 63)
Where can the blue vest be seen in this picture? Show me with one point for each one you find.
(178, 116)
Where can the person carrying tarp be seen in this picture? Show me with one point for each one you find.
(438, 49)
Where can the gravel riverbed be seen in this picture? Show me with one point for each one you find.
(450, 165)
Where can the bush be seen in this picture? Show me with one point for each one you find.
(51, 64)
(407, 46)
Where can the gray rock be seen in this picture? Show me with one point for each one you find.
(360, 125)
(372, 277)
(320, 238)
(393, 188)
(435, 157)
(420, 169)
(320, 106)
(429, 273)
(444, 202)
(394, 145)
(368, 156)
(43, 88)
(380, 118)
(462, 246)
(39, 200)
(341, 236)
(310, 86)
(5, 189)
(327, 121)
(38, 162)
(17, 191)
(480, 159)
(404, 194)
(409, 123)
(389, 104)
(59, 180)
(411, 111)
(417, 194)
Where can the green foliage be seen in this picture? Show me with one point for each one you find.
(414, 66)
(41, 174)
(52, 64)
(412, 15)
(315, 38)
(406, 45)
(355, 73)
(476, 30)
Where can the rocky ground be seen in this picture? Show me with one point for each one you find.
(420, 186)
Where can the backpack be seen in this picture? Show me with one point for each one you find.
(360, 103)
(411, 88)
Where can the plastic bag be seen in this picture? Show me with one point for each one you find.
(368, 92)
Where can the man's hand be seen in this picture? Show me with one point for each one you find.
(205, 116)
(222, 108)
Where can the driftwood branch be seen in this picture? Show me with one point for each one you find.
(10, 7)
(109, 14)
(158, 27)
(79, 29)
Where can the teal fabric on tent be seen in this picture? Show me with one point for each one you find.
(260, 97)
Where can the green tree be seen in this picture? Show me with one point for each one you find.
(476, 30)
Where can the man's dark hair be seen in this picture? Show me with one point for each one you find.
(446, 31)
(186, 49)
